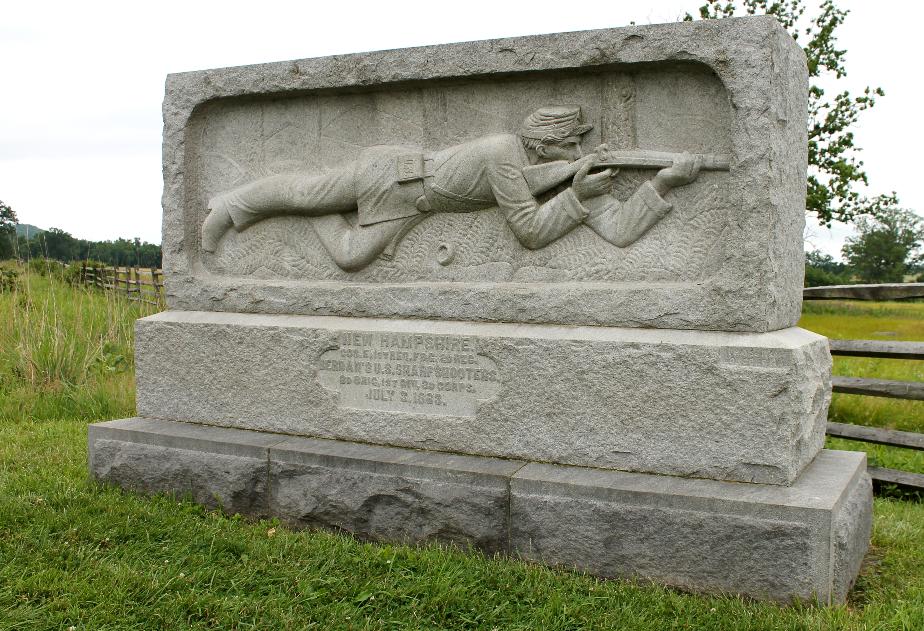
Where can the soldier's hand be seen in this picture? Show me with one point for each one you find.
(685, 169)
(592, 158)
(586, 186)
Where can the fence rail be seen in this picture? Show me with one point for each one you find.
(906, 479)
(876, 348)
(878, 435)
(877, 387)
(140, 284)
(886, 291)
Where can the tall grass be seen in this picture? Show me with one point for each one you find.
(65, 351)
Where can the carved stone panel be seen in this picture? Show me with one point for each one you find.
(238, 142)
(723, 251)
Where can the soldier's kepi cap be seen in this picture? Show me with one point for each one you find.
(557, 122)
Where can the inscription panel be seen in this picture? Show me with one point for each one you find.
(439, 375)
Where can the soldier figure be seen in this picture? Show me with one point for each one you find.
(393, 188)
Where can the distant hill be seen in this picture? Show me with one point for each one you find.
(27, 230)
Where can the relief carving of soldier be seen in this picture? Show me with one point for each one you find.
(393, 188)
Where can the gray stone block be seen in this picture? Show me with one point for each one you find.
(801, 542)
(374, 492)
(852, 527)
(392, 494)
(733, 406)
(218, 467)
(727, 257)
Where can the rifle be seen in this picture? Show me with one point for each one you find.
(542, 177)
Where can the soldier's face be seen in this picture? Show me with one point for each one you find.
(568, 149)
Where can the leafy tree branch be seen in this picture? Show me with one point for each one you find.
(835, 171)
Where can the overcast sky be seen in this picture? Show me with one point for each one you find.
(80, 119)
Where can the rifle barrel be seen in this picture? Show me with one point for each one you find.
(659, 160)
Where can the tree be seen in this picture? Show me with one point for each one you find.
(883, 250)
(834, 169)
(8, 223)
(822, 269)
(58, 244)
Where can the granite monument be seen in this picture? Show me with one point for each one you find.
(537, 295)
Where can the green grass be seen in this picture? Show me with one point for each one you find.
(77, 554)
(894, 321)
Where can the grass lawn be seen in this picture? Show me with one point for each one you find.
(74, 554)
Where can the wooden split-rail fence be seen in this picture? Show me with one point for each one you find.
(912, 390)
(140, 284)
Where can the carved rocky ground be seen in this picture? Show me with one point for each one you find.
(686, 246)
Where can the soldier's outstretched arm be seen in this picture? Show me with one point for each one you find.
(624, 223)
(535, 225)
(684, 171)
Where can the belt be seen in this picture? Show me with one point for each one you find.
(414, 167)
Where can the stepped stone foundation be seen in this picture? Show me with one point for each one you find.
(803, 541)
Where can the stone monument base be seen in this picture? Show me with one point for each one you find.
(799, 542)
(742, 407)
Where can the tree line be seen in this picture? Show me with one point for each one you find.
(886, 249)
(61, 246)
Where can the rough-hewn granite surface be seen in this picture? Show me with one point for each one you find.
(801, 542)
(728, 257)
(780, 543)
(731, 406)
